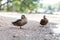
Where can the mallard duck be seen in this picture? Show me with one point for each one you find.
(20, 22)
(44, 21)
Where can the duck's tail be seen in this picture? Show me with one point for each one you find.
(14, 23)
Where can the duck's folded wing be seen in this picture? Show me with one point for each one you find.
(16, 22)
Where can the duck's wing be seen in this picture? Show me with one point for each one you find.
(41, 21)
(18, 20)
(15, 23)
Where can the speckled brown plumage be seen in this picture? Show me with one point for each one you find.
(44, 21)
(20, 22)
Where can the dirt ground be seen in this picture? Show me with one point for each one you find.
(32, 30)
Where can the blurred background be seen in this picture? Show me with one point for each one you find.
(30, 6)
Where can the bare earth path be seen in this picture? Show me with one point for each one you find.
(32, 30)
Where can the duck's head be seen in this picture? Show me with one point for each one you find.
(23, 16)
(44, 17)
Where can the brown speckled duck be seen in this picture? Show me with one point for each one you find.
(44, 21)
(20, 22)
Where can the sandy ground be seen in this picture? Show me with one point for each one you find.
(32, 30)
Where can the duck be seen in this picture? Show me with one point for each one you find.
(44, 21)
(20, 22)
